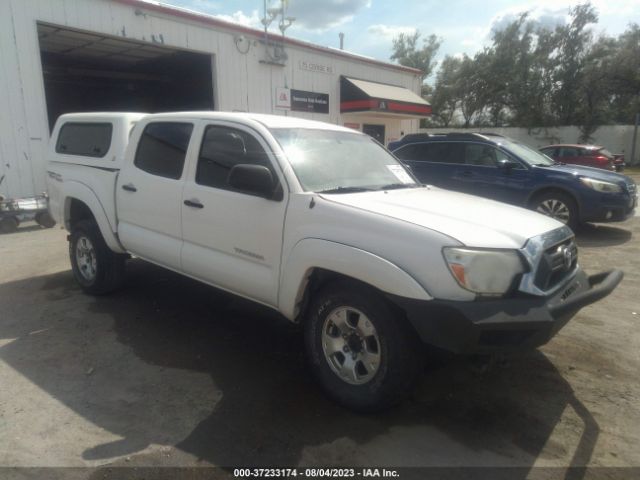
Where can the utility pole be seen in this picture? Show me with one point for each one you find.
(632, 160)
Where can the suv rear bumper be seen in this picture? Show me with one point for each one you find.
(506, 324)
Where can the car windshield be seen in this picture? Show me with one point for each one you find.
(341, 162)
(526, 154)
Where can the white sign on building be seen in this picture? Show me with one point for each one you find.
(283, 98)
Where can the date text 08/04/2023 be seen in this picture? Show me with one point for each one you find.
(315, 473)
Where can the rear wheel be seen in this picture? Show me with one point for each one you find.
(44, 219)
(557, 205)
(95, 266)
(9, 224)
(363, 352)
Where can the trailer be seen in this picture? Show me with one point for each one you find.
(14, 211)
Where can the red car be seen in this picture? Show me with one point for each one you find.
(587, 155)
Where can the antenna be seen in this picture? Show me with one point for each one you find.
(270, 14)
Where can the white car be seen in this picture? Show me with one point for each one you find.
(325, 226)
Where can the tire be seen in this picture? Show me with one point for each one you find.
(44, 219)
(390, 374)
(95, 266)
(9, 224)
(558, 205)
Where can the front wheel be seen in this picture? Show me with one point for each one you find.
(557, 205)
(95, 266)
(362, 351)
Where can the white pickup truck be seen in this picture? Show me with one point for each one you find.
(322, 224)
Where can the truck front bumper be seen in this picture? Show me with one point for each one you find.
(506, 324)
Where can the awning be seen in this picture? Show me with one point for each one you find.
(364, 96)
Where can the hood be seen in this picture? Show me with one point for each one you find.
(595, 173)
(472, 221)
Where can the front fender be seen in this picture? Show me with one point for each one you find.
(82, 193)
(350, 261)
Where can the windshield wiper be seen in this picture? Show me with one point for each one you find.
(346, 190)
(395, 186)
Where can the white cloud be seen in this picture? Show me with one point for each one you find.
(200, 6)
(542, 17)
(241, 18)
(389, 32)
(321, 15)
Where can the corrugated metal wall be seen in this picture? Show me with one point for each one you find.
(241, 81)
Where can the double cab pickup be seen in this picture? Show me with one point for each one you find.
(325, 226)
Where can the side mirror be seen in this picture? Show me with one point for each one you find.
(253, 179)
(507, 165)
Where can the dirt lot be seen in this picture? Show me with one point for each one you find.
(170, 372)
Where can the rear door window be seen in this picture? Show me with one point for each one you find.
(84, 139)
(567, 152)
(604, 152)
(445, 153)
(436, 152)
(162, 148)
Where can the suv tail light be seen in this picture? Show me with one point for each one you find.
(605, 161)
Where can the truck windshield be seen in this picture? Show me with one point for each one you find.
(526, 154)
(341, 162)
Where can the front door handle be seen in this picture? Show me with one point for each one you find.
(467, 173)
(129, 187)
(195, 203)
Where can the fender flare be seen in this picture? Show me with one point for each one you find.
(82, 193)
(353, 262)
(552, 186)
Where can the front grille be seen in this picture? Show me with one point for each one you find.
(556, 264)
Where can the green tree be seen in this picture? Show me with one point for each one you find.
(408, 52)
(574, 41)
(624, 75)
(469, 90)
(595, 88)
(444, 97)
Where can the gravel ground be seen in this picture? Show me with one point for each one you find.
(169, 372)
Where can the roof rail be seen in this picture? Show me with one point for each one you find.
(414, 136)
(462, 134)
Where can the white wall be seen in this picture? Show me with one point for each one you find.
(241, 81)
(616, 138)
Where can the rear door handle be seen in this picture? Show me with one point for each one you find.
(195, 203)
(129, 187)
(467, 173)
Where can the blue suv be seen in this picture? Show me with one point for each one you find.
(503, 169)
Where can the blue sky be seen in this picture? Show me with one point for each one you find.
(370, 25)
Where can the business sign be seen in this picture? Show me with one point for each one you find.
(312, 102)
(283, 98)
(315, 67)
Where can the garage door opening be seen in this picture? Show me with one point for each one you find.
(86, 71)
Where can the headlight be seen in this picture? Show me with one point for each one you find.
(601, 186)
(487, 272)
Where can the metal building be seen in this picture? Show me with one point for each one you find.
(59, 56)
